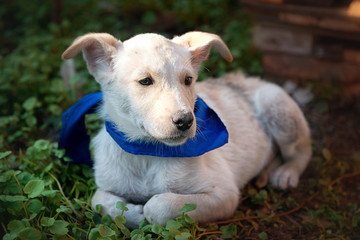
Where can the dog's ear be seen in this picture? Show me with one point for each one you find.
(200, 44)
(98, 50)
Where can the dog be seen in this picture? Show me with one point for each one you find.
(149, 92)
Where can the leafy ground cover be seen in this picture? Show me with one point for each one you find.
(42, 197)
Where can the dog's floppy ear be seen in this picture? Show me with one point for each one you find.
(200, 44)
(98, 50)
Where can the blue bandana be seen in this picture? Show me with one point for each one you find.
(211, 133)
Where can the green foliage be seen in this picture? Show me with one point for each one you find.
(263, 236)
(33, 197)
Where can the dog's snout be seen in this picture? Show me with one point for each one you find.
(183, 120)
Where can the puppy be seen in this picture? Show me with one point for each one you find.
(149, 93)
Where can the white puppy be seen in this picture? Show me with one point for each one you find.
(149, 93)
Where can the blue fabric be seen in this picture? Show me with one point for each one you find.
(211, 134)
(73, 136)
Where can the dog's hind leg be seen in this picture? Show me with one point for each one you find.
(108, 201)
(286, 124)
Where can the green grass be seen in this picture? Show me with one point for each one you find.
(42, 197)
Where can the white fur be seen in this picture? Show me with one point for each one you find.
(260, 117)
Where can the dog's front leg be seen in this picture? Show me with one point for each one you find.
(209, 206)
(108, 202)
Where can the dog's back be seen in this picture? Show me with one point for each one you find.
(264, 122)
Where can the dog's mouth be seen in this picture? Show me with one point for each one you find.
(174, 140)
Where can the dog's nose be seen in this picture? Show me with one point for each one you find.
(183, 120)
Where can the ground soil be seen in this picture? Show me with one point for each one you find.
(337, 129)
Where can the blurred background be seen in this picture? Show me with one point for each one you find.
(311, 48)
(309, 40)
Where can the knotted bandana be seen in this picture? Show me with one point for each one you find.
(211, 133)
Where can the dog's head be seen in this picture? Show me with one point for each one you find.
(148, 81)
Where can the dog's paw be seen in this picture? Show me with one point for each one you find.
(134, 215)
(161, 208)
(108, 200)
(285, 177)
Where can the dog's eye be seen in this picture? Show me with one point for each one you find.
(188, 81)
(146, 81)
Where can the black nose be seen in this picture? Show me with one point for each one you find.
(183, 120)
